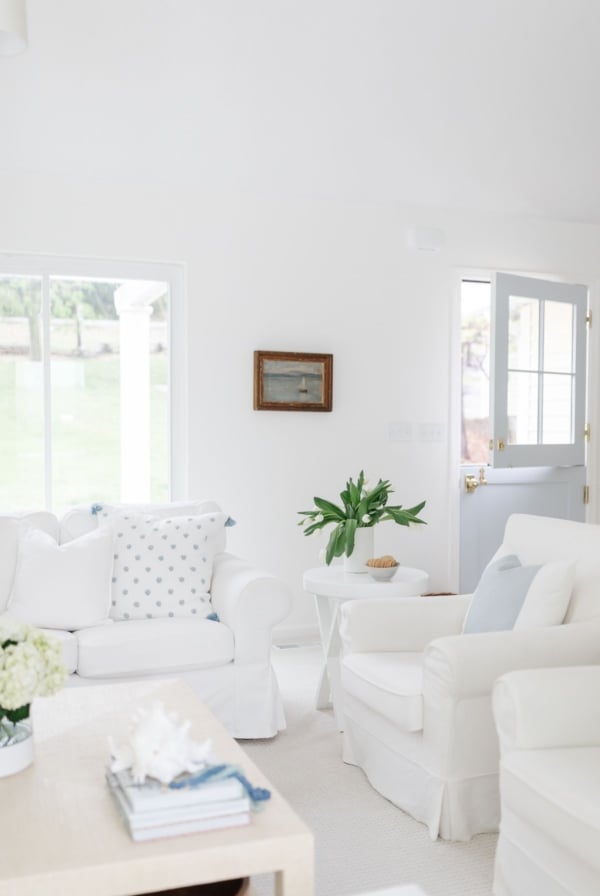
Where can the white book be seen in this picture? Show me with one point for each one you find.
(176, 828)
(152, 795)
(170, 814)
(191, 827)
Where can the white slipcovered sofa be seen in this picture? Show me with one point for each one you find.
(227, 659)
(417, 692)
(548, 723)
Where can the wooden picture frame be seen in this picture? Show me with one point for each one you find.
(292, 381)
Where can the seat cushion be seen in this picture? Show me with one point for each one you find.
(389, 683)
(68, 643)
(149, 646)
(555, 791)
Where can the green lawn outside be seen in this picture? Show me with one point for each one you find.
(85, 427)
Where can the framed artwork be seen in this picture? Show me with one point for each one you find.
(292, 381)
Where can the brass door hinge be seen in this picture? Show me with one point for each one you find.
(586, 494)
(588, 318)
(500, 445)
(587, 432)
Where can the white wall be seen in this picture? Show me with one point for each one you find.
(318, 276)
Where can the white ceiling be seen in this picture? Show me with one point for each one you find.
(474, 104)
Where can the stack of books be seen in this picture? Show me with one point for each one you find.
(151, 810)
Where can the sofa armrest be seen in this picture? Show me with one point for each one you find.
(468, 665)
(249, 601)
(542, 708)
(399, 623)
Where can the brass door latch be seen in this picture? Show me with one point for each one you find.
(472, 483)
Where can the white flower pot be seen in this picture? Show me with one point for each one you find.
(363, 550)
(16, 750)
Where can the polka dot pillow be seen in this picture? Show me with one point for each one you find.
(163, 567)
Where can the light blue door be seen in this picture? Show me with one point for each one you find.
(534, 460)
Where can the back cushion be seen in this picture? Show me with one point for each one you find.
(80, 520)
(512, 596)
(9, 538)
(539, 540)
(62, 586)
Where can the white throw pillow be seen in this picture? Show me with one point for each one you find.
(162, 567)
(62, 586)
(548, 596)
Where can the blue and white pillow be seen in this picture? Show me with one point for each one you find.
(512, 596)
(163, 567)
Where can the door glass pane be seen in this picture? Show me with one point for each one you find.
(559, 355)
(21, 394)
(522, 407)
(523, 333)
(475, 376)
(557, 425)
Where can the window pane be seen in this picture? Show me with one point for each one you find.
(159, 400)
(21, 394)
(475, 351)
(557, 427)
(559, 355)
(109, 375)
(523, 333)
(522, 407)
(84, 354)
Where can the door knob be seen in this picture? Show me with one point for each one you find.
(471, 483)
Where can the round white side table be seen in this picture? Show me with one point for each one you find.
(332, 586)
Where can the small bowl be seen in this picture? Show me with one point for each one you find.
(382, 573)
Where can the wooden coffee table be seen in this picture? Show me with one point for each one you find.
(60, 832)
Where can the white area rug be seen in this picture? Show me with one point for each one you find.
(362, 841)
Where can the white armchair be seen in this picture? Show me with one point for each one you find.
(417, 692)
(548, 723)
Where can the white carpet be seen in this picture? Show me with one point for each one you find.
(362, 841)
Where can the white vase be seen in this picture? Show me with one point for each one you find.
(16, 746)
(363, 550)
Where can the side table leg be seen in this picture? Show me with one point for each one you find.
(326, 620)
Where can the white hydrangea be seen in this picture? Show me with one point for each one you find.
(30, 664)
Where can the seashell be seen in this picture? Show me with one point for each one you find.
(158, 747)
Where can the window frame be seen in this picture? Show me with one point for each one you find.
(46, 267)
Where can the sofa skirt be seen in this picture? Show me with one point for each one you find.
(245, 699)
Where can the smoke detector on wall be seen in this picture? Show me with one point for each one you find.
(425, 239)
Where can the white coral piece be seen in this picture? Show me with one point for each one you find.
(158, 747)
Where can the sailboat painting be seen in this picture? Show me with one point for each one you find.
(292, 381)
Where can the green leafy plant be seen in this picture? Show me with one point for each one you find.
(359, 509)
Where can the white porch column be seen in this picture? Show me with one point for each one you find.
(133, 303)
